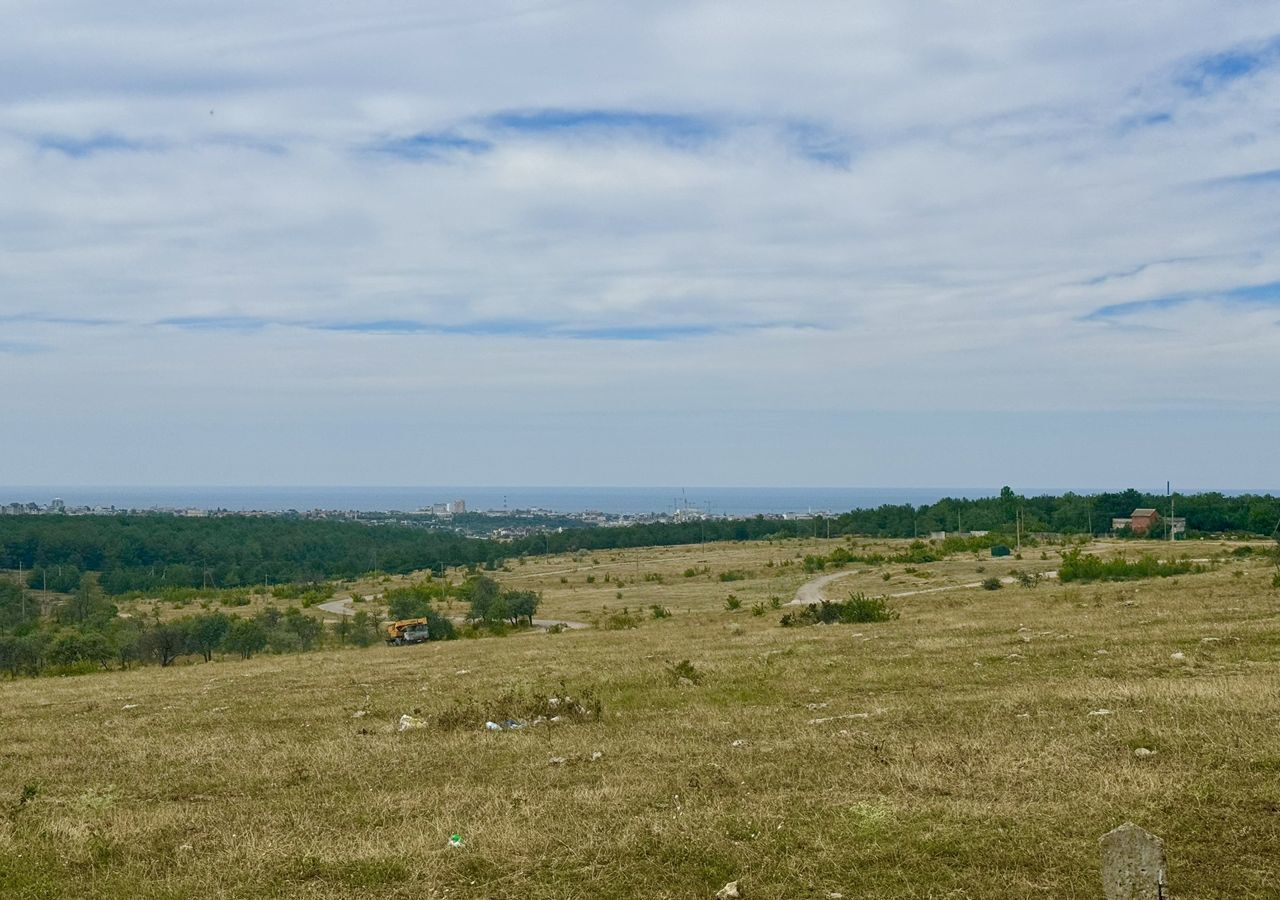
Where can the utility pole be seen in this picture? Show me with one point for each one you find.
(1018, 517)
(23, 583)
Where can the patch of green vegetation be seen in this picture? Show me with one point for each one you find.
(1078, 566)
(858, 608)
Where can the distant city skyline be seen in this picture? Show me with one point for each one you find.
(560, 243)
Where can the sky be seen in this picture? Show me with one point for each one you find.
(578, 243)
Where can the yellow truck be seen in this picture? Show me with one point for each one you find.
(408, 631)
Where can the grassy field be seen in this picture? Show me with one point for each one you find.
(977, 746)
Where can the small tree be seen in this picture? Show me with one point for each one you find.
(206, 632)
(522, 605)
(307, 629)
(165, 642)
(486, 599)
(246, 637)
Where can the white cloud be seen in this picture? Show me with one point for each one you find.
(850, 207)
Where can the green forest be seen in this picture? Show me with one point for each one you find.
(156, 552)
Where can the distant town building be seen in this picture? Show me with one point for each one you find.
(457, 507)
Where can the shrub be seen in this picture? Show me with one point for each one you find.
(858, 608)
(620, 621)
(659, 611)
(757, 609)
(684, 670)
(733, 575)
(775, 602)
(991, 584)
(1077, 566)
(732, 603)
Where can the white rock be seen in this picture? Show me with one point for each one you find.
(1179, 656)
(730, 891)
(558, 760)
(737, 743)
(597, 756)
(1100, 712)
(1144, 752)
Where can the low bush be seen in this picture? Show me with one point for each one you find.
(684, 670)
(858, 608)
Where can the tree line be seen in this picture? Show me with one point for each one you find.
(156, 552)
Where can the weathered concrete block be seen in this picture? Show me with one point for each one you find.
(1132, 864)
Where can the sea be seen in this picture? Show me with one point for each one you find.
(628, 501)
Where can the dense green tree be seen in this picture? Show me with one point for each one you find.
(246, 637)
(522, 605)
(206, 632)
(485, 597)
(306, 629)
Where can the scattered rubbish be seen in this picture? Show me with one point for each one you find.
(512, 724)
(131, 706)
(730, 891)
(186, 848)
(557, 760)
(1179, 656)
(463, 672)
(738, 743)
(597, 756)
(1024, 715)
(493, 726)
(1144, 752)
(814, 706)
(1209, 640)
(359, 714)
(1100, 653)
(835, 895)
(408, 722)
(455, 840)
(1100, 712)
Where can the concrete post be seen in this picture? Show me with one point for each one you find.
(1132, 864)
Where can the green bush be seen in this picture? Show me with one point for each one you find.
(858, 608)
(1077, 566)
(991, 584)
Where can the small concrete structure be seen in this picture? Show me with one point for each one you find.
(1132, 864)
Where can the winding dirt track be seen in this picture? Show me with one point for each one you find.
(811, 591)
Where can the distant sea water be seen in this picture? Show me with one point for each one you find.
(731, 501)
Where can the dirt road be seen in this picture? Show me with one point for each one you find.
(811, 592)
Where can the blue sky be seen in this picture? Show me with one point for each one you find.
(662, 243)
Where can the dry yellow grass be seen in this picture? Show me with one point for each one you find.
(949, 753)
